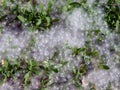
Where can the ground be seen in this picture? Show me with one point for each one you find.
(78, 52)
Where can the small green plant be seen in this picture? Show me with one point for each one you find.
(109, 87)
(103, 66)
(85, 51)
(28, 68)
(78, 73)
(8, 70)
(5, 71)
(43, 83)
(69, 5)
(78, 85)
(92, 86)
(76, 51)
(99, 36)
(32, 41)
(33, 18)
(112, 13)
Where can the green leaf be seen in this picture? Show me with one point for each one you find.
(55, 70)
(75, 4)
(25, 88)
(74, 71)
(117, 2)
(76, 51)
(94, 53)
(48, 21)
(6, 63)
(56, 20)
(21, 18)
(44, 13)
(118, 26)
(41, 7)
(64, 9)
(8, 73)
(3, 3)
(42, 28)
(50, 4)
(96, 31)
(58, 65)
(26, 77)
(68, 2)
(39, 22)
(1, 69)
(101, 66)
(83, 70)
(44, 82)
(78, 85)
(32, 41)
(77, 74)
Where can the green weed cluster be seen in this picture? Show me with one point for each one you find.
(34, 18)
(112, 14)
(25, 69)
